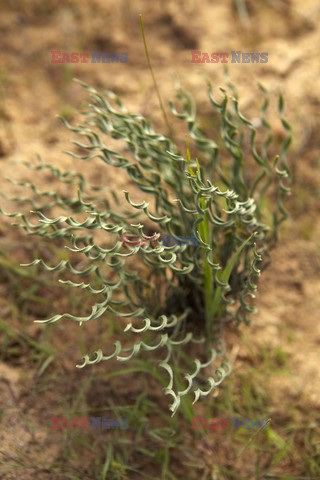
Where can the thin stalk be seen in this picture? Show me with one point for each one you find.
(154, 78)
(204, 231)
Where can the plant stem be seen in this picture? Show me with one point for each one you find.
(154, 78)
(204, 231)
(208, 275)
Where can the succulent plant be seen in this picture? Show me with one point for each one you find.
(172, 300)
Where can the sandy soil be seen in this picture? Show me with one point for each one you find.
(33, 91)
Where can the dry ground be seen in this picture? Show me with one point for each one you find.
(277, 366)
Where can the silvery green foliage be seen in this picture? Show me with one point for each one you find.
(219, 199)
